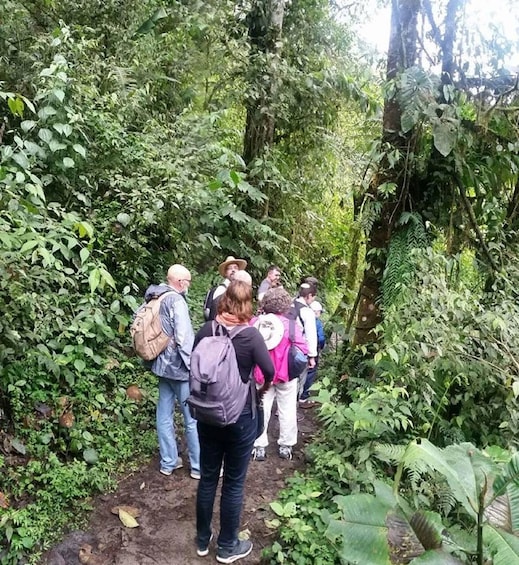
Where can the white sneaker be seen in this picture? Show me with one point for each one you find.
(168, 472)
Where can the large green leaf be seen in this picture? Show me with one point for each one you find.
(436, 557)
(504, 510)
(363, 530)
(372, 531)
(463, 466)
(504, 547)
(445, 136)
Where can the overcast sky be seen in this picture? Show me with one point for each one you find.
(485, 14)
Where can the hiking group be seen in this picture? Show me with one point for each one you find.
(225, 379)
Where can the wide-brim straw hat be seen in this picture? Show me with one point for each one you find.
(223, 266)
(271, 329)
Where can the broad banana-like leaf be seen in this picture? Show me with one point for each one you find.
(375, 531)
(497, 513)
(464, 467)
(436, 557)
(504, 547)
(503, 511)
(428, 529)
(363, 529)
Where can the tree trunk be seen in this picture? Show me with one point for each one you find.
(402, 54)
(265, 26)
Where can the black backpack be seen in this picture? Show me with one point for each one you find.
(295, 312)
(211, 303)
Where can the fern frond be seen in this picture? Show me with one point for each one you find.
(400, 268)
(446, 500)
(389, 452)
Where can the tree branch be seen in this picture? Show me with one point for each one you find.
(473, 222)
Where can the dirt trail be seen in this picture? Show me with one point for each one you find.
(166, 531)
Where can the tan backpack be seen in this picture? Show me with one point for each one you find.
(148, 337)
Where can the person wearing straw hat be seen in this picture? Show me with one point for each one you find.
(228, 270)
(274, 326)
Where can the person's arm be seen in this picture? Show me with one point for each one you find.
(263, 287)
(310, 331)
(183, 330)
(263, 361)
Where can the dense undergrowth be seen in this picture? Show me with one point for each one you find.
(418, 441)
(106, 179)
(65, 446)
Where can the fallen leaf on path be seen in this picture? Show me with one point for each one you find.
(142, 485)
(134, 392)
(244, 534)
(127, 519)
(272, 524)
(132, 511)
(66, 420)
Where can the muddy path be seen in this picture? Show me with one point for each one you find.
(166, 505)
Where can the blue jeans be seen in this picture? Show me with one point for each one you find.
(310, 378)
(171, 391)
(231, 445)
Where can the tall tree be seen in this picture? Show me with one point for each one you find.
(447, 150)
(265, 27)
(402, 54)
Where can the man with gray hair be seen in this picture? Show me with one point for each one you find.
(172, 368)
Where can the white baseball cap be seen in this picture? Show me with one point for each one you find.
(316, 306)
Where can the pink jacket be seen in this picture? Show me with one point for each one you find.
(279, 354)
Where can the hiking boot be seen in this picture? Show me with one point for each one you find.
(202, 551)
(168, 472)
(241, 549)
(285, 452)
(258, 454)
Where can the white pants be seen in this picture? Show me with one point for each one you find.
(286, 398)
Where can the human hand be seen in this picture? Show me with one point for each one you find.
(263, 389)
(311, 362)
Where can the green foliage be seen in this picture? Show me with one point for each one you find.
(454, 354)
(385, 528)
(301, 522)
(399, 264)
(342, 459)
(56, 463)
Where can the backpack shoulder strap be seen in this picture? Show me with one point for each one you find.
(160, 297)
(209, 297)
(297, 307)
